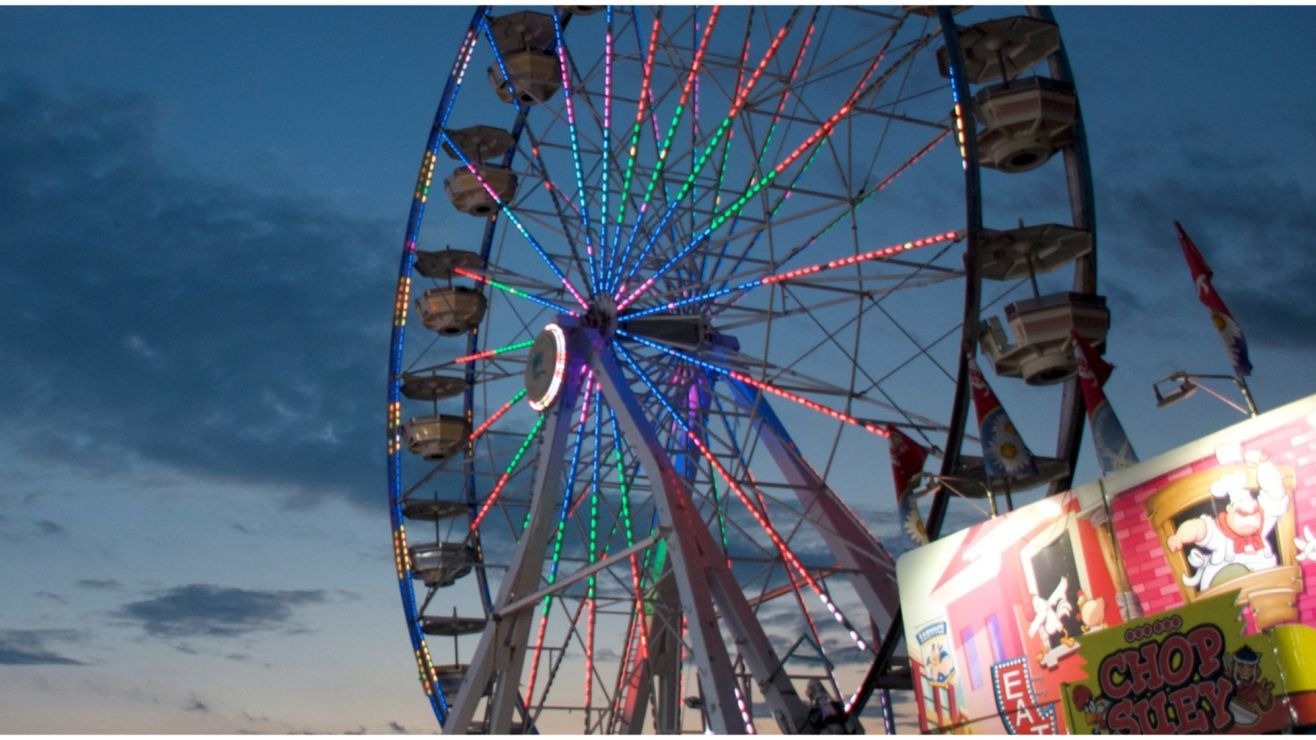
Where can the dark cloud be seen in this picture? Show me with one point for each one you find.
(99, 584)
(1253, 222)
(202, 610)
(157, 311)
(30, 647)
(16, 529)
(398, 728)
(196, 705)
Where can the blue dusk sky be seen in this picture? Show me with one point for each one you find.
(201, 211)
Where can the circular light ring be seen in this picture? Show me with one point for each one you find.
(542, 393)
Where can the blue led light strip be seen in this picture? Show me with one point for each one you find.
(511, 216)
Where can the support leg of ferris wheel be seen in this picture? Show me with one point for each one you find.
(659, 666)
(704, 582)
(500, 655)
(871, 567)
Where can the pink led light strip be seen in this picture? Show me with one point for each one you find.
(783, 549)
(822, 131)
(723, 129)
(763, 385)
(495, 416)
(875, 254)
(511, 216)
(665, 147)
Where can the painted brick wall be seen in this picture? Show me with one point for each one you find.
(1142, 555)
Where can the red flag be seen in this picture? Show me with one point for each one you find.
(1096, 364)
(1220, 316)
(1004, 453)
(1112, 445)
(907, 458)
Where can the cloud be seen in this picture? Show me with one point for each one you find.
(15, 529)
(1251, 214)
(203, 610)
(99, 584)
(157, 311)
(28, 647)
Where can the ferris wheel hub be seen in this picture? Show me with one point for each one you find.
(601, 315)
(546, 367)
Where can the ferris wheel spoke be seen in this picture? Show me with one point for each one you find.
(848, 211)
(853, 546)
(512, 468)
(814, 139)
(765, 224)
(762, 385)
(677, 114)
(565, 66)
(506, 210)
(495, 416)
(513, 291)
(775, 277)
(560, 201)
(653, 658)
(593, 550)
(800, 56)
(722, 129)
(646, 80)
(863, 195)
(487, 353)
(608, 157)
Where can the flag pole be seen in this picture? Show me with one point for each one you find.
(1247, 396)
(1220, 315)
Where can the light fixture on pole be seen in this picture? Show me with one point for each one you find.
(1179, 385)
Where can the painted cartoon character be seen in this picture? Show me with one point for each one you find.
(938, 663)
(1234, 542)
(1253, 695)
(1048, 619)
(1093, 707)
(1091, 612)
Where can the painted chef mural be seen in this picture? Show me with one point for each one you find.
(1013, 624)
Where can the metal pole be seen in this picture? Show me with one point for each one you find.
(1247, 395)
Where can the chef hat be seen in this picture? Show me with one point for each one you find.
(1234, 487)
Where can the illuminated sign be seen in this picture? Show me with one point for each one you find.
(1017, 702)
(546, 367)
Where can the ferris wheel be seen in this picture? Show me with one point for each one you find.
(689, 272)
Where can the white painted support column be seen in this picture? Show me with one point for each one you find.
(702, 579)
(501, 653)
(872, 569)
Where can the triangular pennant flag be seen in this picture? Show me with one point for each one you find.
(1095, 362)
(1220, 316)
(1113, 448)
(1004, 453)
(907, 458)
